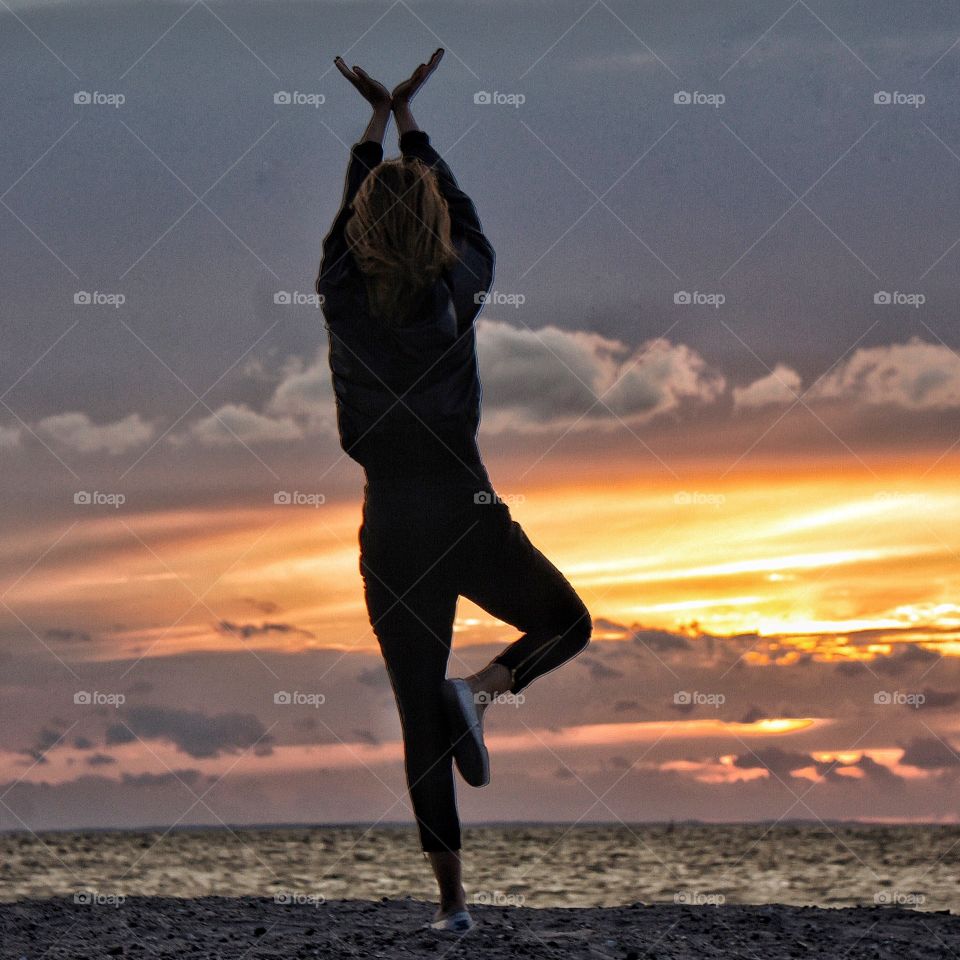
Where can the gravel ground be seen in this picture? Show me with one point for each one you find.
(257, 928)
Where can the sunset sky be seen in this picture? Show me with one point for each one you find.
(755, 492)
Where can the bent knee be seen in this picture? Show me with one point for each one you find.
(578, 632)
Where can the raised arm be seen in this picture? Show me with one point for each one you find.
(474, 273)
(365, 154)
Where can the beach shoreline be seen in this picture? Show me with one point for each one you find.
(150, 928)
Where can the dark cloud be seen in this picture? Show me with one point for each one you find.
(930, 753)
(46, 740)
(779, 762)
(367, 736)
(193, 732)
(660, 641)
(263, 606)
(609, 626)
(852, 668)
(100, 760)
(938, 699)
(374, 677)
(83, 743)
(598, 669)
(247, 630)
(753, 715)
(189, 777)
(61, 635)
(908, 658)
(877, 771)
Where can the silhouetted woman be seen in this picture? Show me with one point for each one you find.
(404, 273)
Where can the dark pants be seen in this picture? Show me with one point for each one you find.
(423, 543)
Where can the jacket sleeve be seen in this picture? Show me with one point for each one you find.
(336, 255)
(473, 275)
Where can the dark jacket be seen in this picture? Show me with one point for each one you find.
(408, 399)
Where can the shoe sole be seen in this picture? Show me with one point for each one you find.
(466, 733)
(460, 922)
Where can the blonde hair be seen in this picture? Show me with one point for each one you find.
(399, 235)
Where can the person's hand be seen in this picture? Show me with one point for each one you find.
(374, 92)
(404, 92)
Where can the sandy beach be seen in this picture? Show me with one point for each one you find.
(263, 929)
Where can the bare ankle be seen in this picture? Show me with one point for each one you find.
(492, 680)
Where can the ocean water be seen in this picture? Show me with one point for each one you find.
(536, 866)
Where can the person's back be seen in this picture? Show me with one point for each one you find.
(407, 386)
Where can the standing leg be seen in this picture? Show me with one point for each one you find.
(412, 612)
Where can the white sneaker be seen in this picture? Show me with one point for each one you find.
(459, 922)
(466, 732)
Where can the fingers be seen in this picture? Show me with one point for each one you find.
(345, 70)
